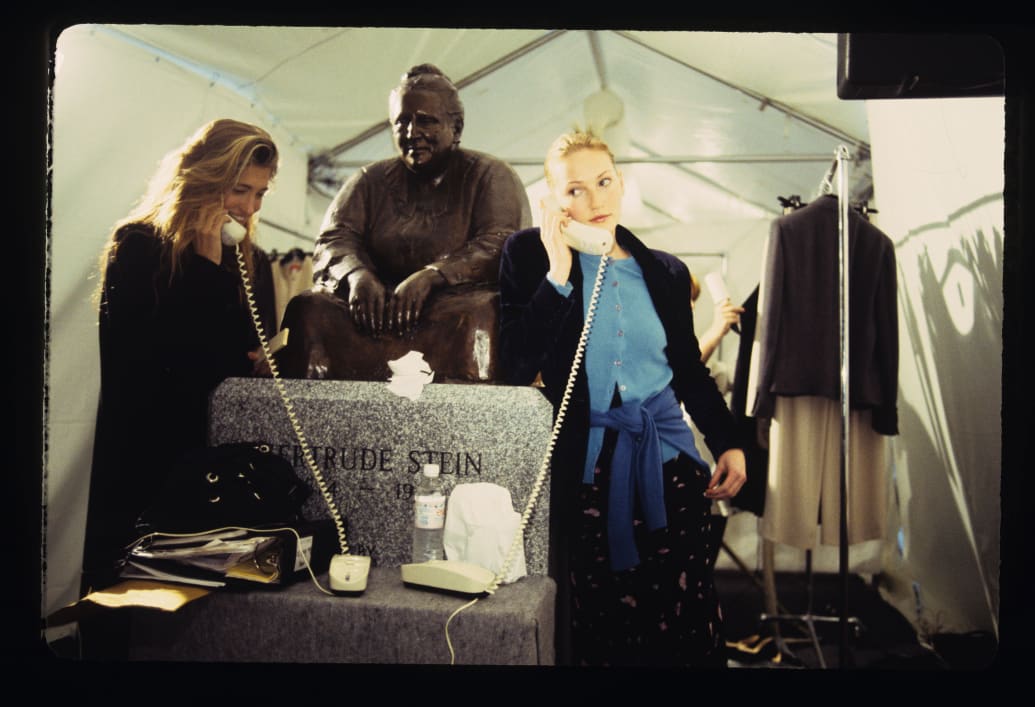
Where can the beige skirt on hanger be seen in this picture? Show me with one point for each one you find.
(803, 494)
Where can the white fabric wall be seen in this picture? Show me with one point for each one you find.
(116, 109)
(938, 175)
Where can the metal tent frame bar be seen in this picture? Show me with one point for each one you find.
(648, 159)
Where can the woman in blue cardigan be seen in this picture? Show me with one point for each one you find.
(630, 496)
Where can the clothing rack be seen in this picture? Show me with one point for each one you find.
(791, 202)
(794, 202)
(838, 168)
(841, 162)
(276, 256)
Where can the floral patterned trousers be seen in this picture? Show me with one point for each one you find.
(664, 611)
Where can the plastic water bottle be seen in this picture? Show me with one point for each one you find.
(429, 516)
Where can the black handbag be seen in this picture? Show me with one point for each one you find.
(234, 484)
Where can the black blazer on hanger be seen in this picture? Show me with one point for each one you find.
(799, 342)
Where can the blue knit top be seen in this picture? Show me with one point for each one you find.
(626, 352)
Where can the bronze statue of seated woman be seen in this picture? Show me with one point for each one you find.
(408, 254)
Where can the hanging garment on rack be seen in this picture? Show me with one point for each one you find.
(292, 273)
(803, 479)
(797, 341)
(752, 493)
(797, 352)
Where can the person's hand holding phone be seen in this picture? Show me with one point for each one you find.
(554, 220)
(208, 243)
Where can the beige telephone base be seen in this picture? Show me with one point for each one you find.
(348, 573)
(450, 575)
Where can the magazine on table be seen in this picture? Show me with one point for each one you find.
(220, 557)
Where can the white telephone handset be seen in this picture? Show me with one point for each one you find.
(581, 236)
(717, 289)
(233, 232)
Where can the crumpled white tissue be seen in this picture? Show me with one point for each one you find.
(409, 375)
(480, 526)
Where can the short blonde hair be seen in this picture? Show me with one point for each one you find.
(569, 143)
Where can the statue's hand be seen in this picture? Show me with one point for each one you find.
(409, 297)
(367, 301)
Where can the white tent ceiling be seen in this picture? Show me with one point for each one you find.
(708, 126)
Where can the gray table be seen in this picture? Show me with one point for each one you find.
(390, 623)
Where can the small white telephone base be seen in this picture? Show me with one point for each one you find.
(449, 575)
(348, 573)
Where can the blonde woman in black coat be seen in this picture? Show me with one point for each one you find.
(630, 497)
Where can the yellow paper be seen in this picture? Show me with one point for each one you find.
(146, 594)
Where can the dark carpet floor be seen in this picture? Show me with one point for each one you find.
(872, 635)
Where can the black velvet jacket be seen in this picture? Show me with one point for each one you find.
(540, 329)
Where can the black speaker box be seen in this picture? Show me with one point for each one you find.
(919, 66)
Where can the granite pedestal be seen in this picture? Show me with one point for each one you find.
(370, 445)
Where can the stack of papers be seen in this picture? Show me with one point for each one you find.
(206, 559)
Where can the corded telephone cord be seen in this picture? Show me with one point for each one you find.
(544, 467)
(289, 407)
(519, 535)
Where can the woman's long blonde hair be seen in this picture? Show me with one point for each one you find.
(188, 187)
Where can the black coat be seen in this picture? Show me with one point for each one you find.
(164, 346)
(540, 329)
(539, 335)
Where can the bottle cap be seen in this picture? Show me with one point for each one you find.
(431, 470)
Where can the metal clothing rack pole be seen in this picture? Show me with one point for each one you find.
(842, 261)
(808, 618)
(749, 573)
(838, 166)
